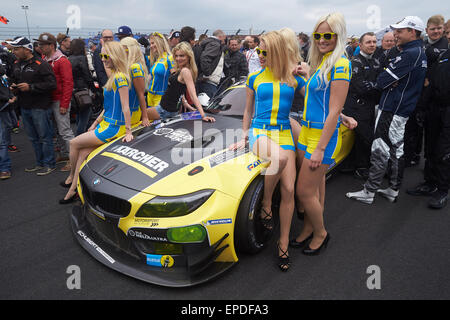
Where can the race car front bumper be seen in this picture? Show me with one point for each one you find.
(157, 262)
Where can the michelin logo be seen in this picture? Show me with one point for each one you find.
(219, 221)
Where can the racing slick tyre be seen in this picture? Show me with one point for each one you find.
(249, 235)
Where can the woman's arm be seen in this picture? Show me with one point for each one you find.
(139, 86)
(97, 121)
(124, 100)
(186, 77)
(338, 95)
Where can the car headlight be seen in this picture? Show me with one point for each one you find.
(189, 234)
(170, 207)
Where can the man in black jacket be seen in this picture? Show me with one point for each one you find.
(102, 78)
(32, 82)
(437, 134)
(5, 134)
(235, 62)
(361, 101)
(211, 63)
(434, 46)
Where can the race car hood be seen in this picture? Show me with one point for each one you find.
(162, 149)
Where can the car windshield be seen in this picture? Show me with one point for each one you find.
(231, 102)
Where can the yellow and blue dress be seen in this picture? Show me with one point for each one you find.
(273, 102)
(317, 100)
(160, 72)
(113, 123)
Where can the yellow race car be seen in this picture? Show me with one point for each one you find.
(175, 207)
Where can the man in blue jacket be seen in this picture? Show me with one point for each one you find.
(402, 83)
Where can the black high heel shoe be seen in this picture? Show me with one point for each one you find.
(266, 219)
(70, 200)
(299, 245)
(65, 185)
(283, 261)
(314, 252)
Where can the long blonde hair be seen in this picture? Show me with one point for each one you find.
(337, 24)
(118, 56)
(162, 45)
(277, 54)
(186, 49)
(135, 55)
(291, 40)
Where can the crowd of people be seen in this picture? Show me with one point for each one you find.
(393, 96)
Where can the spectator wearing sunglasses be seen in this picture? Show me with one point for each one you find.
(162, 65)
(114, 121)
(269, 97)
(320, 137)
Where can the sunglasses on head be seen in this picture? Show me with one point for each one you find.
(260, 51)
(327, 35)
(157, 34)
(104, 56)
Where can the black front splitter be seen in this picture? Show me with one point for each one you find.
(122, 262)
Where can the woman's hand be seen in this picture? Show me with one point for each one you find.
(316, 159)
(208, 119)
(349, 122)
(145, 122)
(302, 70)
(128, 137)
(238, 145)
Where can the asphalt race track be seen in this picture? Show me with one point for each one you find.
(406, 241)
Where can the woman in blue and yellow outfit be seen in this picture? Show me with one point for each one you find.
(139, 80)
(270, 93)
(320, 137)
(162, 65)
(114, 121)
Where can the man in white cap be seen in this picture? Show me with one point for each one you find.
(402, 83)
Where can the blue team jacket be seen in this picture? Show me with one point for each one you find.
(402, 81)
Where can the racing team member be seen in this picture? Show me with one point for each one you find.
(437, 133)
(361, 100)
(434, 46)
(402, 84)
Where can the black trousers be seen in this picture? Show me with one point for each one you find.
(437, 146)
(413, 137)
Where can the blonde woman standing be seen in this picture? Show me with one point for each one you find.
(320, 138)
(139, 80)
(162, 65)
(114, 121)
(269, 97)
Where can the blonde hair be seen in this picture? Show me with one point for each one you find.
(186, 49)
(162, 45)
(278, 53)
(135, 55)
(293, 46)
(336, 21)
(118, 56)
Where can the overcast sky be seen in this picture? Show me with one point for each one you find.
(229, 15)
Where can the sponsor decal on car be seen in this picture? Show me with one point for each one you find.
(178, 135)
(219, 221)
(137, 156)
(146, 236)
(156, 260)
(225, 156)
(254, 165)
(95, 246)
